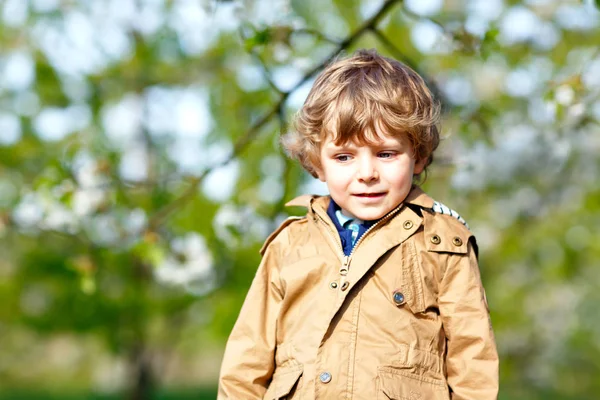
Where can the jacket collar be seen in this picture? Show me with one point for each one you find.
(419, 198)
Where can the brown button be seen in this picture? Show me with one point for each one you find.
(408, 224)
(435, 239)
(345, 285)
(457, 241)
(333, 285)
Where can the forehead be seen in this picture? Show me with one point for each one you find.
(377, 138)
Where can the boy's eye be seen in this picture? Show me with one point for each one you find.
(342, 157)
(386, 154)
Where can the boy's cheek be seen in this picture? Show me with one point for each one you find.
(320, 174)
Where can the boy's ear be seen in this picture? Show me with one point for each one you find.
(419, 166)
(319, 174)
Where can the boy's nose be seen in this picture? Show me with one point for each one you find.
(367, 171)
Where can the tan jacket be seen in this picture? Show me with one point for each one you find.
(403, 317)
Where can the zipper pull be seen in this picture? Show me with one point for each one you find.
(344, 272)
(344, 268)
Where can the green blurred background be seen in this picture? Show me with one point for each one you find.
(140, 171)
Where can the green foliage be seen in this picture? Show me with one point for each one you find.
(131, 216)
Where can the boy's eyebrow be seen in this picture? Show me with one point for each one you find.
(333, 145)
(391, 143)
(384, 141)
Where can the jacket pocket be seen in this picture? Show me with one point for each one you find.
(398, 384)
(284, 380)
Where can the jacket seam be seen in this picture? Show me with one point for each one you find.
(352, 355)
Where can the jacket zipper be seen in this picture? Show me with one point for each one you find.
(347, 258)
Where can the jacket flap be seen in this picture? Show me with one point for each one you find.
(399, 384)
(383, 239)
(410, 357)
(283, 381)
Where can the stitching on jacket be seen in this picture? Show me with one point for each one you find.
(394, 371)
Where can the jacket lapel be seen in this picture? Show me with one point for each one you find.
(380, 241)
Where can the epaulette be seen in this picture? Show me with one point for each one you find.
(276, 232)
(442, 209)
(445, 235)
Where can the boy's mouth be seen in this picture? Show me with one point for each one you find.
(370, 195)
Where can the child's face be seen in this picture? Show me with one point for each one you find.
(369, 181)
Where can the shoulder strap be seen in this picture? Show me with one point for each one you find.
(443, 209)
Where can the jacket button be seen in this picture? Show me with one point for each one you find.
(345, 285)
(398, 298)
(435, 239)
(325, 377)
(408, 224)
(333, 285)
(457, 241)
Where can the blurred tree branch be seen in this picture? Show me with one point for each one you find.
(161, 215)
(401, 56)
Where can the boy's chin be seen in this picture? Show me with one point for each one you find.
(370, 214)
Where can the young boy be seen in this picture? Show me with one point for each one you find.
(375, 293)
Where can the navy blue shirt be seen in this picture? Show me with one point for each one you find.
(345, 233)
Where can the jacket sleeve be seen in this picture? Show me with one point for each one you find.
(472, 358)
(249, 358)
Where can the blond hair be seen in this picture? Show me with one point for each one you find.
(354, 96)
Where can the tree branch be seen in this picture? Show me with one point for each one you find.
(161, 215)
(264, 69)
(317, 34)
(400, 56)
